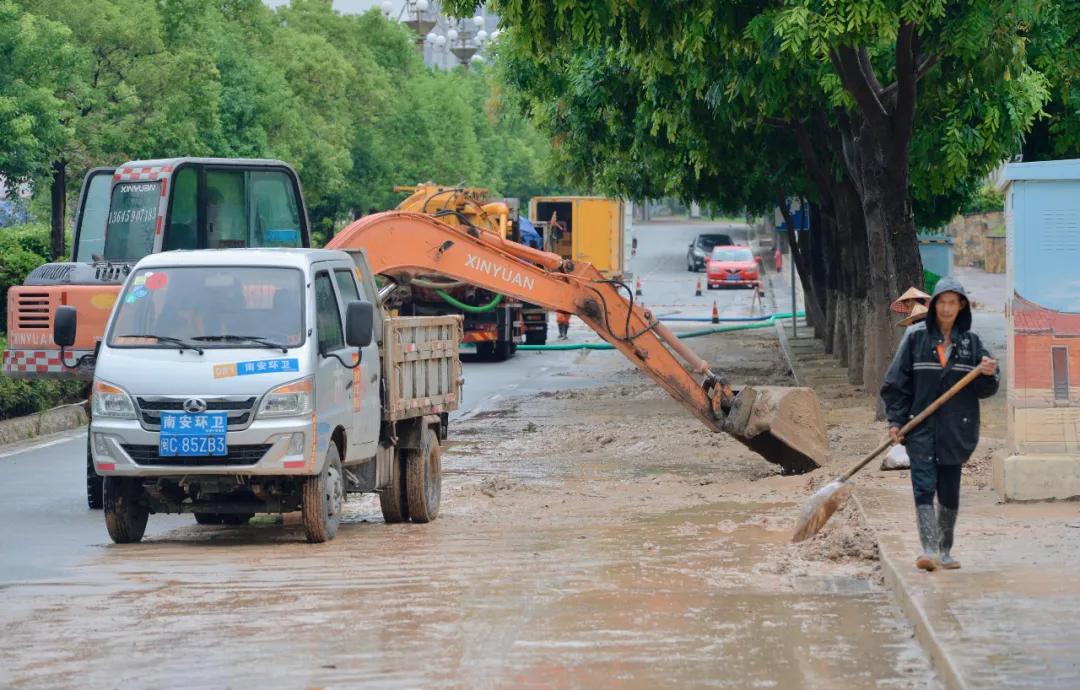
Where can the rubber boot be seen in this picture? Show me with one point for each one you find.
(946, 518)
(928, 535)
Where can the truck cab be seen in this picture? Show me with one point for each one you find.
(138, 209)
(243, 381)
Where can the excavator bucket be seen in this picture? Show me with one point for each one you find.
(783, 425)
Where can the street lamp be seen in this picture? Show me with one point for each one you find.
(419, 21)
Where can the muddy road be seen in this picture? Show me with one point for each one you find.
(592, 534)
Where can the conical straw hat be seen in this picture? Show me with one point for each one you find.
(918, 313)
(902, 305)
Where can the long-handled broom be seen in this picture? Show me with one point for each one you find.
(828, 499)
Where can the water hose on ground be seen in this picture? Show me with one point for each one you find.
(768, 321)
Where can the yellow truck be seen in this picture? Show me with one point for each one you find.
(580, 228)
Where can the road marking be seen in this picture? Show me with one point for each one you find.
(44, 444)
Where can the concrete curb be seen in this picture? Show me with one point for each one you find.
(60, 418)
(916, 615)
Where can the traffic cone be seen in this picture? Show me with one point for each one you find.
(637, 288)
(697, 290)
(715, 313)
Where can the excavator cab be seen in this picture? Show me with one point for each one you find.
(140, 208)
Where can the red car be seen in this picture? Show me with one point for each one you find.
(732, 266)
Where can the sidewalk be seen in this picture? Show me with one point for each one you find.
(1006, 619)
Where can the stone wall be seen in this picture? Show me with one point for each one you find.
(979, 241)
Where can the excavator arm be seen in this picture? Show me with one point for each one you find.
(782, 424)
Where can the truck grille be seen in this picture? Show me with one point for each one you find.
(238, 455)
(240, 409)
(32, 310)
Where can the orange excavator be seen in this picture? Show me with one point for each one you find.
(783, 425)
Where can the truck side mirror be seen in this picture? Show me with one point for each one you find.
(359, 323)
(64, 323)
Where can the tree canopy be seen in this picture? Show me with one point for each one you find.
(888, 115)
(345, 99)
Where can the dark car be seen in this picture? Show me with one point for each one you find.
(701, 248)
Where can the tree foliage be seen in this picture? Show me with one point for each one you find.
(345, 99)
(34, 51)
(887, 114)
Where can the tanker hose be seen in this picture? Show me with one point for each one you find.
(437, 284)
(468, 307)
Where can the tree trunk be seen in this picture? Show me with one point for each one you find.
(832, 297)
(58, 194)
(800, 255)
(819, 266)
(841, 329)
(850, 264)
(892, 247)
(857, 341)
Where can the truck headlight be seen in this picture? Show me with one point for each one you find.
(111, 401)
(289, 400)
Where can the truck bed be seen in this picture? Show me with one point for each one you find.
(421, 365)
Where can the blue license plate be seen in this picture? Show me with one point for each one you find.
(193, 435)
(733, 278)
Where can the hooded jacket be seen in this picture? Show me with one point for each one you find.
(916, 378)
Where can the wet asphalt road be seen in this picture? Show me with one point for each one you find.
(47, 529)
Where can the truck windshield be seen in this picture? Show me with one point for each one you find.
(133, 211)
(215, 306)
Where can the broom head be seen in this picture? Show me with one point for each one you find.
(821, 506)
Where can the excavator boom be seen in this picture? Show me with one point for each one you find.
(784, 425)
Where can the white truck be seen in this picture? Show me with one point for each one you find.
(241, 381)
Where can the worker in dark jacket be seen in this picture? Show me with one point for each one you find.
(932, 357)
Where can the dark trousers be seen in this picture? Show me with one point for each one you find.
(929, 478)
(564, 328)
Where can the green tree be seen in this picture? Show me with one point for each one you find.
(34, 51)
(1055, 50)
(890, 107)
(114, 40)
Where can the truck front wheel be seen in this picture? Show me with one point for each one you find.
(93, 480)
(125, 511)
(504, 350)
(324, 499)
(423, 477)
